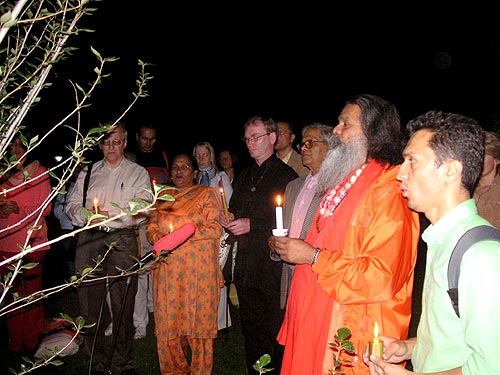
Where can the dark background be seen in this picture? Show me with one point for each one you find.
(216, 65)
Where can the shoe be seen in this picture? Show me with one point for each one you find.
(140, 332)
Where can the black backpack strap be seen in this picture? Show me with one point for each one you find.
(86, 183)
(469, 238)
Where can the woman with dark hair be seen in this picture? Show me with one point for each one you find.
(187, 286)
(23, 226)
(229, 163)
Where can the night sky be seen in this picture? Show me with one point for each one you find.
(215, 66)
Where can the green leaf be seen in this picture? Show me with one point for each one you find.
(348, 347)
(343, 333)
(6, 17)
(265, 360)
(166, 197)
(29, 266)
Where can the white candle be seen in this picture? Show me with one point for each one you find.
(279, 215)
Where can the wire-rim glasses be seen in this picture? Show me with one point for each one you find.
(309, 143)
(254, 138)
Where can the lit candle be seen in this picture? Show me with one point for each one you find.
(96, 206)
(170, 228)
(4, 194)
(154, 180)
(376, 345)
(224, 203)
(279, 214)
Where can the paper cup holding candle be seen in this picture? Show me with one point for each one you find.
(279, 231)
(376, 345)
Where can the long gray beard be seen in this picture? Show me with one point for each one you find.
(340, 161)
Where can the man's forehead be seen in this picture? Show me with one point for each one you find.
(255, 127)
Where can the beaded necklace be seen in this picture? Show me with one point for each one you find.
(331, 200)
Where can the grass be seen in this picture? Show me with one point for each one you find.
(229, 357)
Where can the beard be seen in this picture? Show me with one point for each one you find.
(340, 161)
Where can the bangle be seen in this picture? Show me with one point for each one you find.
(315, 256)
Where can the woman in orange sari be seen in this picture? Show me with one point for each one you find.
(187, 285)
(22, 194)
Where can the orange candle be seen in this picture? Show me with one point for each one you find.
(376, 345)
(96, 206)
(224, 202)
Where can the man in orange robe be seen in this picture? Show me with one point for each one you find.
(355, 267)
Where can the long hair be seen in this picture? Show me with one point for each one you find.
(381, 125)
(212, 153)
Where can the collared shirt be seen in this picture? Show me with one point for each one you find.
(445, 341)
(111, 187)
(302, 204)
(286, 157)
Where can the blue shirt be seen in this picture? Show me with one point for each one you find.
(445, 341)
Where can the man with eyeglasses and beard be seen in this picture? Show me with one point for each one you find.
(252, 217)
(114, 180)
(355, 267)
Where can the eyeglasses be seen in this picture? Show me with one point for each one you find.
(254, 138)
(114, 142)
(182, 168)
(309, 143)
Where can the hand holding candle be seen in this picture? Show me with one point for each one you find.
(376, 345)
(96, 206)
(224, 202)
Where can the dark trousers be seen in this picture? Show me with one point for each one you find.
(261, 319)
(92, 295)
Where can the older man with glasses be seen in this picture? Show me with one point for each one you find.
(113, 181)
(301, 198)
(252, 217)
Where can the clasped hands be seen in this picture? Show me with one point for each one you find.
(235, 227)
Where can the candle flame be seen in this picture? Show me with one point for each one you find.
(279, 200)
(375, 330)
(96, 202)
(171, 228)
(221, 190)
